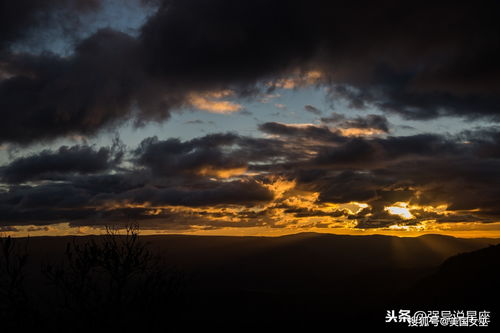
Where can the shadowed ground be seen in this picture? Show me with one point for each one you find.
(299, 281)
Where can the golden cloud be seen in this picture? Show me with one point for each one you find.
(360, 131)
(212, 102)
(298, 80)
(222, 173)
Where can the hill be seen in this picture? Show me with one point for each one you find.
(303, 279)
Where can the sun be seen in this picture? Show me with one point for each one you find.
(400, 209)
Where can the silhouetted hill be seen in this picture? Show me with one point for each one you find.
(468, 279)
(306, 261)
(301, 279)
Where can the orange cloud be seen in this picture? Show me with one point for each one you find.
(292, 209)
(212, 102)
(222, 173)
(360, 131)
(298, 80)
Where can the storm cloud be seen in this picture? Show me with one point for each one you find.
(370, 53)
(65, 161)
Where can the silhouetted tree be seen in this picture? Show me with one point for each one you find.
(14, 302)
(114, 280)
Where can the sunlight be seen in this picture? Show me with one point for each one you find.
(400, 209)
(222, 173)
(360, 131)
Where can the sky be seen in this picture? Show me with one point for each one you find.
(250, 117)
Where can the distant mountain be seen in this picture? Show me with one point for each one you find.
(300, 279)
(307, 262)
(464, 280)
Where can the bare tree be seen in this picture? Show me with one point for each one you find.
(114, 276)
(13, 296)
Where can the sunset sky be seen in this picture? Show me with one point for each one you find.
(250, 117)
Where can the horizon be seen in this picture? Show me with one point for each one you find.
(122, 231)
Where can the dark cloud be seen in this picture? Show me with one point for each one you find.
(213, 155)
(304, 212)
(374, 53)
(348, 186)
(334, 118)
(66, 160)
(366, 153)
(19, 18)
(245, 113)
(485, 142)
(46, 204)
(371, 121)
(235, 50)
(51, 96)
(199, 156)
(464, 183)
(369, 53)
(234, 192)
(194, 122)
(117, 199)
(356, 152)
(312, 109)
(301, 131)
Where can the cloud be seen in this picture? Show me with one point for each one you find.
(297, 80)
(49, 96)
(194, 122)
(309, 131)
(425, 170)
(347, 187)
(245, 113)
(51, 165)
(370, 55)
(369, 122)
(301, 176)
(198, 157)
(212, 102)
(234, 192)
(205, 55)
(88, 199)
(266, 98)
(312, 109)
(19, 18)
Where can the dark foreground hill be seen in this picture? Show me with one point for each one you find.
(471, 278)
(300, 281)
